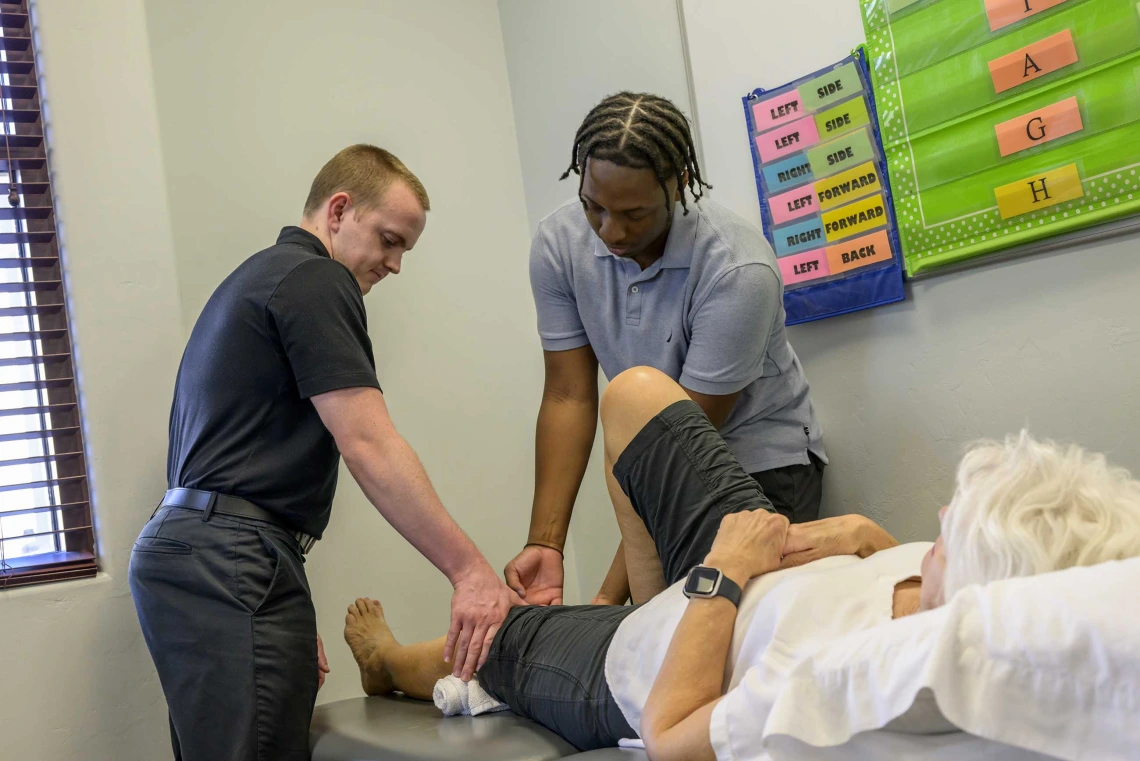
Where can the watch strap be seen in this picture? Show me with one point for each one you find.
(730, 589)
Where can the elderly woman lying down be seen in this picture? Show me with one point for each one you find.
(589, 673)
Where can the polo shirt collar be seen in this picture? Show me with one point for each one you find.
(303, 238)
(682, 239)
(678, 246)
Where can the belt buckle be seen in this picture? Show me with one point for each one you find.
(305, 540)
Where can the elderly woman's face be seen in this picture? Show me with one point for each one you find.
(933, 568)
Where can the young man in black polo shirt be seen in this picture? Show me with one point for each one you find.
(278, 382)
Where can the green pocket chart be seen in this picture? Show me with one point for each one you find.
(1005, 121)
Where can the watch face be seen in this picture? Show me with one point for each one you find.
(702, 581)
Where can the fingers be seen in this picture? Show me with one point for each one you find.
(799, 538)
(511, 572)
(800, 558)
(461, 646)
(466, 670)
(452, 636)
(322, 661)
(516, 601)
(487, 643)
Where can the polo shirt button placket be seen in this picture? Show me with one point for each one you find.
(633, 308)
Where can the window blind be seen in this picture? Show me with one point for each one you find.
(46, 530)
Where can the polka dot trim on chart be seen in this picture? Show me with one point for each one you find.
(981, 230)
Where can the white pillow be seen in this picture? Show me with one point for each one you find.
(1049, 664)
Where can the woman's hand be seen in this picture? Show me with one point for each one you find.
(842, 535)
(748, 544)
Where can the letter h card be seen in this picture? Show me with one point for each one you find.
(825, 198)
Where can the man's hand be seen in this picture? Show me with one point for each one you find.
(322, 663)
(536, 575)
(479, 606)
(748, 544)
(842, 535)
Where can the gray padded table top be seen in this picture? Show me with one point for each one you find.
(396, 729)
(611, 754)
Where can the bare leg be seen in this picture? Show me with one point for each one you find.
(386, 665)
(642, 566)
(631, 400)
(615, 587)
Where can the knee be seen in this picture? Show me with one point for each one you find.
(630, 387)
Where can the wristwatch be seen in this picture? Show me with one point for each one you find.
(705, 582)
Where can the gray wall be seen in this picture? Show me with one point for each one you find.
(1049, 342)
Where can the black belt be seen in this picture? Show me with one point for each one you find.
(211, 502)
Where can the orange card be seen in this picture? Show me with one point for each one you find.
(1039, 126)
(1034, 61)
(1002, 13)
(860, 252)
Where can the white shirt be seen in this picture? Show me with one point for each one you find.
(783, 617)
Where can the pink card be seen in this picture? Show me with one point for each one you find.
(788, 139)
(778, 110)
(809, 265)
(793, 204)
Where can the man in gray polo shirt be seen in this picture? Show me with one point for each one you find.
(630, 275)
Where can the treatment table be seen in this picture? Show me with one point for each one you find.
(397, 729)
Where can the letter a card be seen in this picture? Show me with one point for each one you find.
(825, 198)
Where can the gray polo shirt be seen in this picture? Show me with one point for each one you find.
(709, 314)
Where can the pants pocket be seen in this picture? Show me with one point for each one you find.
(160, 545)
(256, 570)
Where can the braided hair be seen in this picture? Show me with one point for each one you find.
(639, 131)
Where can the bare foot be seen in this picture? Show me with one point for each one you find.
(370, 640)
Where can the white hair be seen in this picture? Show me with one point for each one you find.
(1025, 507)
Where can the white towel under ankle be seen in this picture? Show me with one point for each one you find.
(455, 697)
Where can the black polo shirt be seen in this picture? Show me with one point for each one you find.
(287, 325)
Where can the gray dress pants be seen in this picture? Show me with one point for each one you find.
(226, 612)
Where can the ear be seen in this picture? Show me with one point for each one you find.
(338, 207)
(683, 184)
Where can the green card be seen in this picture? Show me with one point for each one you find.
(844, 118)
(833, 87)
(839, 155)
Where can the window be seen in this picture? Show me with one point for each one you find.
(45, 515)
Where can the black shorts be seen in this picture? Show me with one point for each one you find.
(549, 664)
(682, 480)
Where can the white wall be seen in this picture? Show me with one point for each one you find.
(77, 680)
(1050, 341)
(253, 98)
(564, 57)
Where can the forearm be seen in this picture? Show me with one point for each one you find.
(563, 440)
(615, 588)
(675, 723)
(394, 480)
